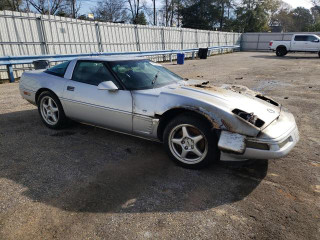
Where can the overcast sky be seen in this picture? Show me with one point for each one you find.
(299, 3)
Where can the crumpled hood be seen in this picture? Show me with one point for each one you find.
(231, 97)
(239, 97)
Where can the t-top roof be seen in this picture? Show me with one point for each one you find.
(113, 58)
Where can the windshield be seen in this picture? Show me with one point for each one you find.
(143, 74)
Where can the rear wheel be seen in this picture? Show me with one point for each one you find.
(190, 142)
(281, 51)
(319, 54)
(51, 111)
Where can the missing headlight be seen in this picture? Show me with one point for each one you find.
(269, 100)
(249, 117)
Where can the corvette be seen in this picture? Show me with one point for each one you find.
(198, 123)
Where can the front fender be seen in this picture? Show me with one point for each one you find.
(219, 117)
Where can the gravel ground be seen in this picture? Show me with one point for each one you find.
(89, 183)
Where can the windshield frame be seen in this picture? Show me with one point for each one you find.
(161, 69)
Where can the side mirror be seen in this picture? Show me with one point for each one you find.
(107, 85)
(316, 40)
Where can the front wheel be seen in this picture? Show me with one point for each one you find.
(190, 142)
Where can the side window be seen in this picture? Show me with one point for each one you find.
(92, 73)
(311, 38)
(58, 70)
(301, 38)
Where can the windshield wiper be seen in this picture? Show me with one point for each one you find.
(155, 79)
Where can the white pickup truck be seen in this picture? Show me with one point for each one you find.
(298, 43)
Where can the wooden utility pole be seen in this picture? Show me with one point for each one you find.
(73, 8)
(222, 15)
(166, 12)
(49, 7)
(154, 13)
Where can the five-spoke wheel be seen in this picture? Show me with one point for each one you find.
(190, 141)
(51, 110)
(188, 144)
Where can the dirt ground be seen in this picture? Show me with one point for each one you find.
(89, 183)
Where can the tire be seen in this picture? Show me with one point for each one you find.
(190, 142)
(319, 54)
(281, 51)
(51, 111)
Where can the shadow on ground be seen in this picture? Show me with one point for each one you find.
(86, 169)
(288, 57)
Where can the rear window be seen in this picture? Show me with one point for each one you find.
(58, 70)
(301, 38)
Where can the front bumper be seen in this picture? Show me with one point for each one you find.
(279, 146)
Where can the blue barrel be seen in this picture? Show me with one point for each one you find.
(180, 58)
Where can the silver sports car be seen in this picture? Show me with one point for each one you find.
(197, 122)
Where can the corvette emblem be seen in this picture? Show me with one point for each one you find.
(270, 110)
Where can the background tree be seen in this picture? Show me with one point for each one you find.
(12, 5)
(252, 16)
(141, 19)
(72, 8)
(169, 10)
(315, 11)
(227, 15)
(202, 14)
(224, 6)
(111, 11)
(135, 8)
(42, 6)
(302, 19)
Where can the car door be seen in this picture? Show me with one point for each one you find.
(313, 44)
(300, 43)
(83, 101)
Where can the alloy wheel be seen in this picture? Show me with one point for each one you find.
(49, 110)
(188, 144)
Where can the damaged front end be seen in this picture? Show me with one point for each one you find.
(249, 125)
(274, 141)
(257, 129)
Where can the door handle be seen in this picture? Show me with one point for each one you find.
(70, 88)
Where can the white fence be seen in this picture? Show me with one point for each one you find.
(35, 34)
(260, 41)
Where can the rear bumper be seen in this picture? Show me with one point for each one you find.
(27, 94)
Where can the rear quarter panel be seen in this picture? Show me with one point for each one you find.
(281, 43)
(31, 82)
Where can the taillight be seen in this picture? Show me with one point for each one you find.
(270, 44)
